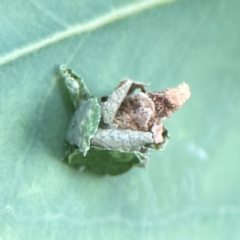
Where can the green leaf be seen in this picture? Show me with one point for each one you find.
(77, 88)
(190, 189)
(84, 125)
(106, 161)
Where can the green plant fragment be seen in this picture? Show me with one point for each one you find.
(113, 137)
(106, 161)
(77, 89)
(84, 125)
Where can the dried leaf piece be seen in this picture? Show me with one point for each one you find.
(110, 107)
(161, 145)
(136, 113)
(145, 111)
(177, 95)
(157, 131)
(125, 140)
(169, 100)
(112, 103)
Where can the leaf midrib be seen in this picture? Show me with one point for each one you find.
(94, 24)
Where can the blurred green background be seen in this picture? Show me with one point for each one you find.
(189, 191)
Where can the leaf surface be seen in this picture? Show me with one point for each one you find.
(190, 189)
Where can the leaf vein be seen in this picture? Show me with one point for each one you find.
(99, 22)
